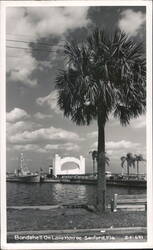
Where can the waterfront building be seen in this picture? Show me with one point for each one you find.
(59, 170)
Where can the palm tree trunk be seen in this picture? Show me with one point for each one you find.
(128, 170)
(94, 163)
(138, 169)
(101, 184)
(122, 171)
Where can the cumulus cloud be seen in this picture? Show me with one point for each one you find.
(116, 149)
(16, 114)
(69, 146)
(49, 100)
(131, 21)
(36, 23)
(40, 22)
(20, 126)
(47, 148)
(138, 123)
(123, 144)
(92, 134)
(46, 20)
(41, 116)
(29, 147)
(20, 68)
(42, 135)
(26, 135)
(42, 65)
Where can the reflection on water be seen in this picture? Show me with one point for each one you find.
(69, 193)
(57, 193)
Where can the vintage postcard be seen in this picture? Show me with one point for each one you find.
(76, 124)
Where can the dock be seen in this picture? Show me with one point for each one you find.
(93, 181)
(90, 179)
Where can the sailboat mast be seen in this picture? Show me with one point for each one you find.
(21, 161)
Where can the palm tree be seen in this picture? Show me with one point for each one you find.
(95, 158)
(138, 158)
(123, 159)
(130, 160)
(104, 75)
(94, 154)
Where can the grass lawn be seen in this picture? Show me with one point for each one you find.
(68, 218)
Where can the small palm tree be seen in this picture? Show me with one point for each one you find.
(94, 154)
(130, 162)
(95, 158)
(123, 159)
(138, 158)
(105, 75)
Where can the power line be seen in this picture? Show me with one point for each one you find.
(46, 44)
(28, 50)
(62, 40)
(14, 56)
(22, 35)
(18, 35)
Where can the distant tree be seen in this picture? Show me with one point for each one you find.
(95, 159)
(94, 154)
(104, 75)
(138, 158)
(129, 159)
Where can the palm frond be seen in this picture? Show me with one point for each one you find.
(103, 73)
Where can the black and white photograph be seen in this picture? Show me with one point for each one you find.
(76, 146)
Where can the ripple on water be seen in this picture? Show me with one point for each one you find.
(19, 194)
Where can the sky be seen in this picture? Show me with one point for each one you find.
(35, 126)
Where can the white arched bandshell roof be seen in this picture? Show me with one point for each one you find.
(58, 162)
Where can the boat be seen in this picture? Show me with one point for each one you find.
(22, 174)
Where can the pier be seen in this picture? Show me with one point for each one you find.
(89, 179)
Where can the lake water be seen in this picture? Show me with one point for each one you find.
(21, 194)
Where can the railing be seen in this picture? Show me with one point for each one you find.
(129, 202)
